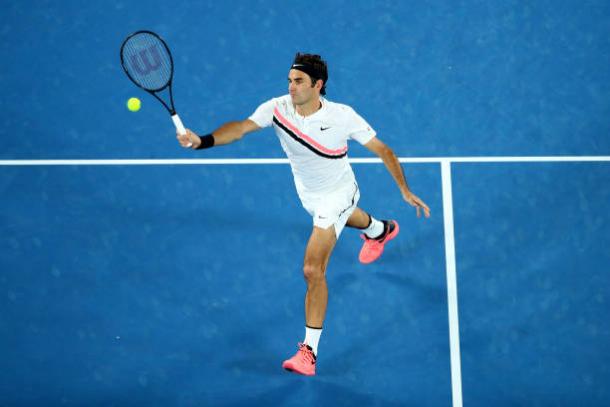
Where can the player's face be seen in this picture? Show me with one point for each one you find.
(300, 87)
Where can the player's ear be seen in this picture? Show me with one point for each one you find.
(319, 84)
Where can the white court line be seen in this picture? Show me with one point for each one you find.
(262, 161)
(162, 161)
(452, 300)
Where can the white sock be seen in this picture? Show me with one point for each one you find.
(312, 337)
(375, 229)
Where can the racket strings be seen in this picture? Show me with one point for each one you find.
(147, 61)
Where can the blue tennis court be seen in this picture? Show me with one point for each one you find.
(133, 272)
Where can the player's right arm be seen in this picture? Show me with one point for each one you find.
(225, 134)
(231, 131)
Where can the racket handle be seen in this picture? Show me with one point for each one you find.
(179, 126)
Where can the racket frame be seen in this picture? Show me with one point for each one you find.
(171, 109)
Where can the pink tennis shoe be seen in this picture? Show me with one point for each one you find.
(373, 248)
(304, 362)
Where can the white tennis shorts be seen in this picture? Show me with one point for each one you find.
(332, 208)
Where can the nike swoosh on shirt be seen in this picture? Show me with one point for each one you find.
(324, 128)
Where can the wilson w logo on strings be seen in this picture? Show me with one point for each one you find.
(141, 62)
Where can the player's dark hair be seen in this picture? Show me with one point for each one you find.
(320, 69)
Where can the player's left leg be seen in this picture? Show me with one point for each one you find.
(359, 219)
(375, 233)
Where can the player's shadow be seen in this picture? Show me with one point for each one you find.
(407, 280)
(424, 291)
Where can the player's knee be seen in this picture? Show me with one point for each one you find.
(313, 272)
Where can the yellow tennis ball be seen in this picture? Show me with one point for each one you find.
(134, 104)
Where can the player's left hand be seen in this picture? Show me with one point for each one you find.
(417, 203)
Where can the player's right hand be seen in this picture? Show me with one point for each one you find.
(188, 140)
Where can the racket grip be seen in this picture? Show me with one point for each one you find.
(179, 126)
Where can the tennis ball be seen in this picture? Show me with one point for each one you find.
(134, 104)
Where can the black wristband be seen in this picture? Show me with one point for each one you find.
(207, 141)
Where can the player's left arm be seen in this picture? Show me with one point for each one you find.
(391, 162)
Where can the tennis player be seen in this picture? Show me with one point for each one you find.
(314, 132)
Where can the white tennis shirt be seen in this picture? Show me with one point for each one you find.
(316, 145)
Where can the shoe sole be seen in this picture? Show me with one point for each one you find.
(288, 369)
(297, 372)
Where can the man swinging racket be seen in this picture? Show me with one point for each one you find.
(313, 132)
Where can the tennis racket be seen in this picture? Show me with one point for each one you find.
(146, 60)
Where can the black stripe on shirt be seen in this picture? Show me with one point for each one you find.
(304, 143)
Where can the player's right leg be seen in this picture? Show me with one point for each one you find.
(317, 254)
(375, 233)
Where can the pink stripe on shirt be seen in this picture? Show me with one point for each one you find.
(305, 137)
